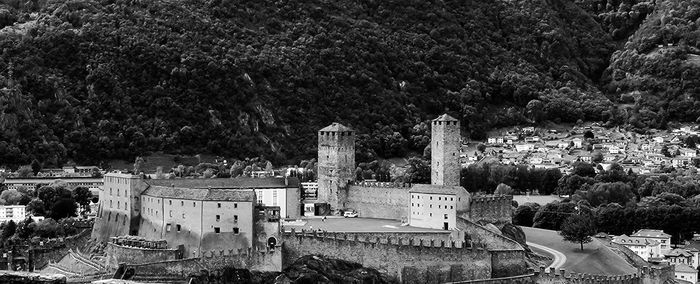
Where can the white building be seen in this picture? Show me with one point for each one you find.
(679, 256)
(686, 273)
(578, 143)
(658, 235)
(525, 147)
(436, 206)
(15, 213)
(644, 248)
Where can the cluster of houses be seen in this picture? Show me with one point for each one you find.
(654, 246)
(548, 148)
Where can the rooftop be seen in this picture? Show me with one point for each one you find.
(685, 268)
(649, 233)
(336, 127)
(678, 253)
(445, 117)
(436, 189)
(634, 241)
(213, 194)
(230, 183)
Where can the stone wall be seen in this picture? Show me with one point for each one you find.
(492, 209)
(117, 254)
(505, 263)
(645, 275)
(481, 237)
(110, 224)
(379, 200)
(408, 260)
(268, 260)
(55, 249)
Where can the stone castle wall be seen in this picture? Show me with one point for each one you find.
(109, 224)
(379, 200)
(645, 275)
(482, 237)
(117, 254)
(264, 260)
(493, 209)
(408, 260)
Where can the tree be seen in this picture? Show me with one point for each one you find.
(481, 147)
(82, 196)
(588, 135)
(525, 214)
(36, 207)
(597, 157)
(583, 169)
(24, 171)
(36, 166)
(8, 230)
(11, 197)
(139, 164)
(418, 171)
(65, 207)
(503, 189)
(577, 229)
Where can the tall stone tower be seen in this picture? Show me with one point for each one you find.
(444, 147)
(336, 163)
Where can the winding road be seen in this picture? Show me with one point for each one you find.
(559, 258)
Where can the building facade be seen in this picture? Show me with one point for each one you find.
(658, 235)
(16, 213)
(644, 248)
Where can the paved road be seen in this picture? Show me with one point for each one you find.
(559, 258)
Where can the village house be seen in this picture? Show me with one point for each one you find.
(688, 153)
(578, 143)
(658, 235)
(525, 147)
(644, 248)
(679, 256)
(686, 273)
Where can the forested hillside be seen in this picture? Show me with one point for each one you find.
(95, 79)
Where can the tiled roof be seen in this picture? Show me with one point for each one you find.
(649, 233)
(337, 127)
(678, 253)
(243, 182)
(436, 189)
(445, 117)
(684, 268)
(242, 195)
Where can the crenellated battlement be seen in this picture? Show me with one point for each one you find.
(491, 198)
(324, 236)
(240, 252)
(382, 184)
(137, 242)
(553, 276)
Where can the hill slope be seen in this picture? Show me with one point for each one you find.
(96, 79)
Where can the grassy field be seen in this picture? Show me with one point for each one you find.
(595, 258)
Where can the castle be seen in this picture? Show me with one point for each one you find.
(436, 205)
(184, 225)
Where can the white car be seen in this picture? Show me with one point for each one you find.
(350, 214)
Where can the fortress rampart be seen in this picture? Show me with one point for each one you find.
(493, 209)
(261, 260)
(119, 251)
(408, 260)
(645, 275)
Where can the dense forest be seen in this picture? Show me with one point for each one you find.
(89, 80)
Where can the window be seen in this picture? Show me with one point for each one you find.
(411, 204)
(183, 215)
(110, 204)
(451, 199)
(218, 218)
(170, 202)
(451, 207)
(431, 198)
(194, 204)
(431, 206)
(439, 198)
(218, 205)
(445, 216)
(178, 227)
(167, 227)
(235, 230)
(182, 203)
(110, 191)
(235, 218)
(171, 213)
(118, 205)
(235, 205)
(431, 214)
(217, 230)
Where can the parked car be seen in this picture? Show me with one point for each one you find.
(350, 214)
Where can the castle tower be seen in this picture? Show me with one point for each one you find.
(336, 163)
(444, 146)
